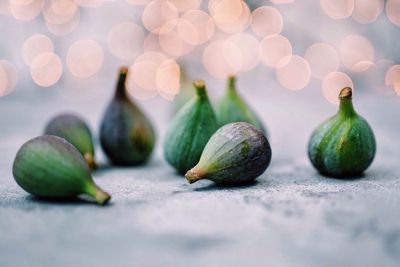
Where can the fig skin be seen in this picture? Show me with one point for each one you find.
(190, 130)
(237, 153)
(343, 146)
(126, 135)
(48, 166)
(75, 131)
(233, 108)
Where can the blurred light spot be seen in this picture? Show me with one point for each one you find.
(9, 80)
(295, 74)
(3, 81)
(151, 43)
(168, 79)
(273, 49)
(356, 53)
(333, 83)
(239, 24)
(266, 21)
(172, 44)
(222, 58)
(337, 9)
(90, 3)
(5, 7)
(282, 1)
(25, 9)
(138, 2)
(60, 11)
(393, 11)
(64, 28)
(367, 11)
(46, 69)
(125, 41)
(392, 76)
(186, 5)
(248, 46)
(85, 58)
(160, 16)
(322, 58)
(36, 45)
(225, 11)
(196, 27)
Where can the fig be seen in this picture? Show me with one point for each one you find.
(344, 145)
(48, 166)
(233, 108)
(237, 153)
(75, 131)
(190, 130)
(126, 134)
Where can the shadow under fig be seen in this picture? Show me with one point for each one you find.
(69, 201)
(218, 187)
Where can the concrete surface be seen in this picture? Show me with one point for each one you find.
(291, 217)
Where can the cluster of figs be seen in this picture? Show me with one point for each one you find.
(227, 146)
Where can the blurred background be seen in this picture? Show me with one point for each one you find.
(291, 57)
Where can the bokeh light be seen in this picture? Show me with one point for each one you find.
(392, 76)
(59, 11)
(266, 21)
(230, 16)
(46, 69)
(125, 41)
(337, 9)
(273, 49)
(356, 53)
(333, 83)
(9, 77)
(367, 11)
(25, 10)
(160, 16)
(168, 79)
(4, 7)
(64, 28)
(222, 58)
(173, 44)
(195, 27)
(282, 1)
(138, 2)
(393, 11)
(294, 74)
(248, 46)
(322, 58)
(90, 3)
(186, 5)
(85, 58)
(151, 43)
(36, 45)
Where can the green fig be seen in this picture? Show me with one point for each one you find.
(344, 145)
(75, 131)
(232, 108)
(237, 153)
(49, 166)
(127, 136)
(190, 130)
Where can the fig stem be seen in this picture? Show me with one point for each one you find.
(121, 89)
(90, 160)
(98, 194)
(231, 82)
(192, 176)
(346, 108)
(200, 87)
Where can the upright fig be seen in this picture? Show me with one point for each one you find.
(126, 135)
(190, 130)
(49, 166)
(344, 145)
(237, 153)
(232, 108)
(75, 131)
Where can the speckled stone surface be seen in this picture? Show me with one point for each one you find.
(291, 217)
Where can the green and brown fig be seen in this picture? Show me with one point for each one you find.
(127, 136)
(237, 153)
(48, 166)
(233, 108)
(190, 130)
(344, 145)
(73, 129)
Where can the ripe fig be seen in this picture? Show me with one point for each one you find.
(232, 108)
(237, 153)
(344, 145)
(127, 136)
(75, 131)
(190, 130)
(49, 166)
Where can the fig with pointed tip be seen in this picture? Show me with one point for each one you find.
(49, 166)
(127, 136)
(232, 108)
(344, 145)
(237, 153)
(190, 130)
(75, 131)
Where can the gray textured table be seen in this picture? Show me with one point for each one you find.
(291, 217)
